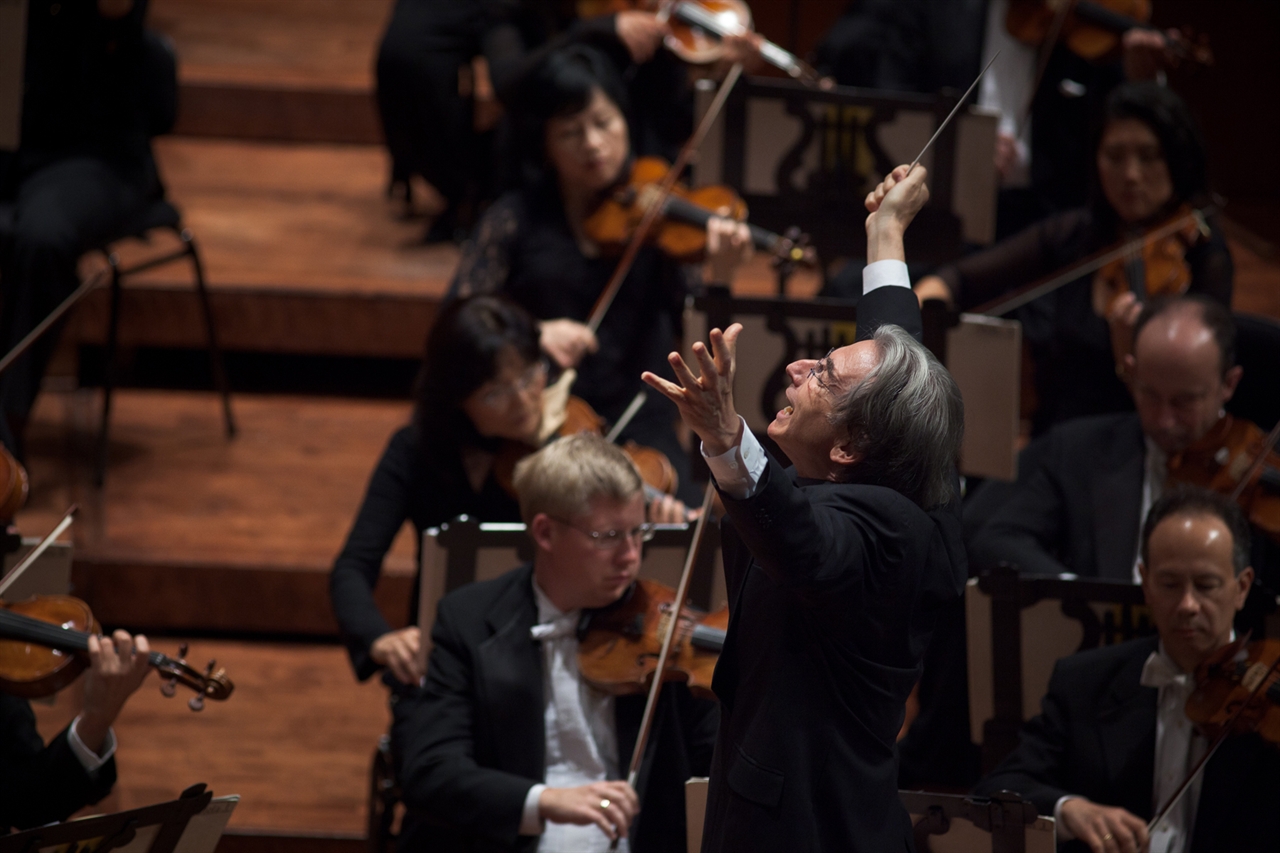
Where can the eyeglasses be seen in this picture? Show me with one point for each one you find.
(502, 395)
(823, 367)
(607, 540)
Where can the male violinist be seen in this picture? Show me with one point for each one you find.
(40, 784)
(505, 747)
(836, 568)
(1085, 486)
(1113, 743)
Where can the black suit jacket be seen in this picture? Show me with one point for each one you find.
(1076, 505)
(833, 591)
(38, 783)
(1096, 737)
(471, 742)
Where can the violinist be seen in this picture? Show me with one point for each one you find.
(482, 385)
(836, 569)
(1113, 742)
(1085, 486)
(571, 118)
(505, 747)
(42, 783)
(1149, 162)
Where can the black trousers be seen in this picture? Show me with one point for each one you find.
(62, 210)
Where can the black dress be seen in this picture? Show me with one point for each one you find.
(427, 488)
(523, 249)
(1071, 345)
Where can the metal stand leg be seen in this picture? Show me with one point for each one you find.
(215, 354)
(109, 373)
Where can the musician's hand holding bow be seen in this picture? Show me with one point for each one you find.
(1106, 829)
(706, 401)
(609, 805)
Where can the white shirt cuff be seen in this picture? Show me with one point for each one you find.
(1063, 833)
(738, 470)
(530, 820)
(89, 759)
(888, 273)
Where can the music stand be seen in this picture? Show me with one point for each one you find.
(1001, 823)
(126, 832)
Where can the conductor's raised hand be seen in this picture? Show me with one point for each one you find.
(706, 400)
(891, 207)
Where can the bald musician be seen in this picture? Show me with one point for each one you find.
(42, 783)
(1085, 486)
(836, 567)
(1113, 742)
(505, 747)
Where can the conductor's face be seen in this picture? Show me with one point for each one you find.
(803, 428)
(1190, 584)
(578, 569)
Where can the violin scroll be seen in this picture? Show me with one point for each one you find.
(175, 671)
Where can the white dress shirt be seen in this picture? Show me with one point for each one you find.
(1178, 748)
(90, 760)
(738, 470)
(581, 742)
(1007, 87)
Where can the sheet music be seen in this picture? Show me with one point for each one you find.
(201, 835)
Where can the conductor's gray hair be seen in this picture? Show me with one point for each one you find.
(907, 420)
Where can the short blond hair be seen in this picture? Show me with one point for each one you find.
(565, 477)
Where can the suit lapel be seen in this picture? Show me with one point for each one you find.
(1127, 734)
(1117, 505)
(510, 678)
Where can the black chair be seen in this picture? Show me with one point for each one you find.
(159, 215)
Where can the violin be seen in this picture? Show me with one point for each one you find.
(1157, 267)
(680, 227)
(618, 654)
(659, 475)
(699, 27)
(1222, 461)
(14, 485)
(44, 646)
(1092, 29)
(1238, 691)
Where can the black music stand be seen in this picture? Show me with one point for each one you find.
(1004, 816)
(113, 831)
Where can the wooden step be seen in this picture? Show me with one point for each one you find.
(302, 254)
(294, 740)
(195, 532)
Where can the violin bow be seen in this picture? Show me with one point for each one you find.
(66, 305)
(954, 110)
(27, 561)
(654, 209)
(1003, 305)
(1164, 810)
(673, 625)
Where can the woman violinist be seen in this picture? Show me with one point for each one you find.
(1150, 161)
(481, 388)
(573, 130)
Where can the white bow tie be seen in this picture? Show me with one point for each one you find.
(564, 626)
(1160, 671)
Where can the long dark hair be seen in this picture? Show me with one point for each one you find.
(558, 86)
(1180, 142)
(462, 354)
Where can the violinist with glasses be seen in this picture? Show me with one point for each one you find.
(1149, 165)
(506, 746)
(482, 392)
(1114, 742)
(572, 124)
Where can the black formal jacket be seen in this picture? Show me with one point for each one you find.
(833, 591)
(1096, 737)
(1076, 505)
(40, 784)
(472, 741)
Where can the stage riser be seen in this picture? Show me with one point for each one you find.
(378, 326)
(242, 842)
(283, 114)
(259, 601)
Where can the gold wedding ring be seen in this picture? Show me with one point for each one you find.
(1108, 837)
(604, 804)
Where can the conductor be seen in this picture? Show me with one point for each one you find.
(836, 567)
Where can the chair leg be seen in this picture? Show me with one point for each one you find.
(215, 354)
(109, 373)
